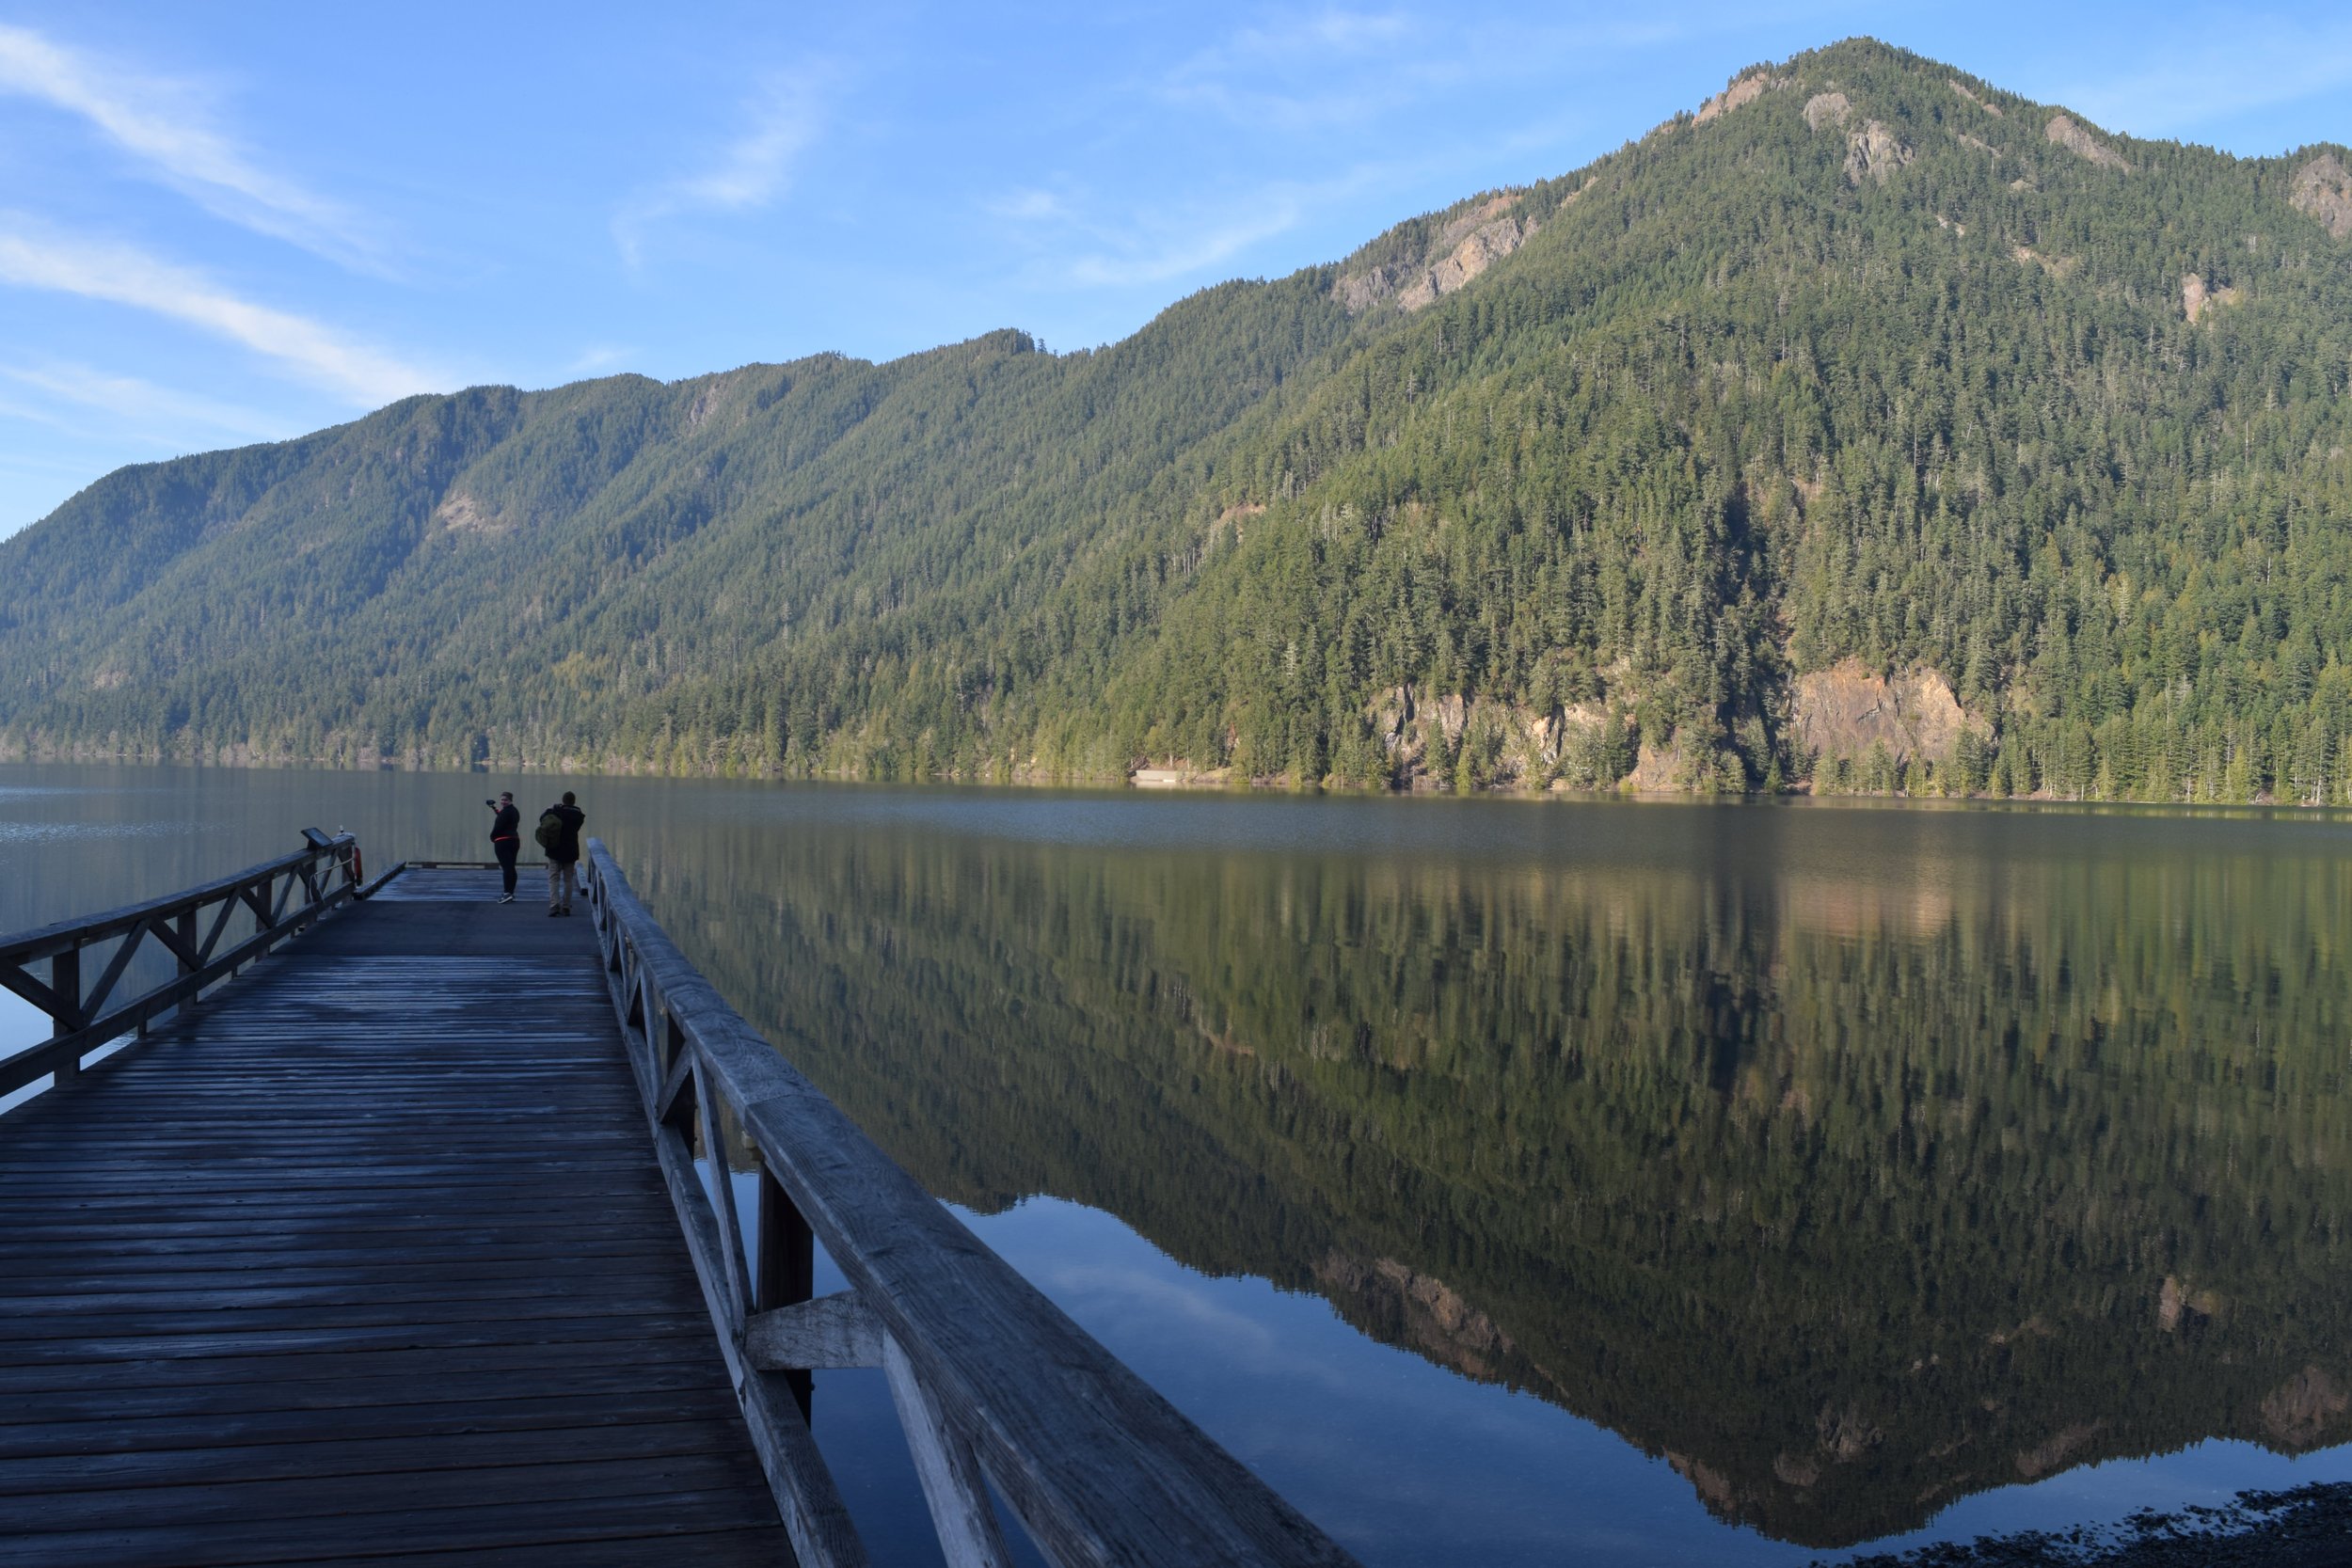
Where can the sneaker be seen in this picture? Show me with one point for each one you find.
(506, 898)
(552, 913)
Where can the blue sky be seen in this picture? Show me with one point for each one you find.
(227, 224)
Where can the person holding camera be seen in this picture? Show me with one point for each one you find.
(506, 838)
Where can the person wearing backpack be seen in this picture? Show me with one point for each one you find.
(559, 835)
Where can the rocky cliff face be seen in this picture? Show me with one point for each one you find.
(2199, 297)
(1874, 153)
(1744, 91)
(1436, 740)
(464, 513)
(2323, 189)
(1848, 710)
(1986, 105)
(2066, 132)
(1465, 247)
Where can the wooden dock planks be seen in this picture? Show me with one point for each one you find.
(369, 1260)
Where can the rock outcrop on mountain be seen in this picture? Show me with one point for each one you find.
(1463, 250)
(1989, 107)
(1477, 250)
(2057, 266)
(461, 513)
(2199, 297)
(1743, 91)
(1848, 711)
(1874, 153)
(2066, 132)
(2323, 189)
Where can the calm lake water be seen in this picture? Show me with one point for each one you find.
(1513, 1183)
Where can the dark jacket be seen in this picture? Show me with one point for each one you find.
(568, 819)
(507, 826)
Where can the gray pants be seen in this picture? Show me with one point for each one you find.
(560, 885)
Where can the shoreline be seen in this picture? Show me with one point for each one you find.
(1191, 784)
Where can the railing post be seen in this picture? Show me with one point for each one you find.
(787, 1274)
(65, 980)
(184, 927)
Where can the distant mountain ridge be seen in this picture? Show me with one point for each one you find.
(1869, 426)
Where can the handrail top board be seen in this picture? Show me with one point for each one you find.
(1097, 1462)
(43, 941)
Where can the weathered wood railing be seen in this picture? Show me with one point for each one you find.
(991, 1379)
(282, 895)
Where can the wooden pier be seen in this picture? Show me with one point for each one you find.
(408, 1244)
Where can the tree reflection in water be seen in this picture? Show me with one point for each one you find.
(1852, 1165)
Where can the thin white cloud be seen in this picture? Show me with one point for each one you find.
(783, 119)
(2245, 68)
(35, 256)
(1304, 41)
(1163, 250)
(1027, 206)
(32, 414)
(1250, 76)
(160, 124)
(598, 356)
(1153, 245)
(142, 402)
(1336, 70)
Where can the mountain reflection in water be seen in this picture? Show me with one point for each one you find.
(1854, 1162)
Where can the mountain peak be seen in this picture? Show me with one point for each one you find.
(1864, 375)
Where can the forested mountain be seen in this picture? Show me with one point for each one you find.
(1870, 425)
